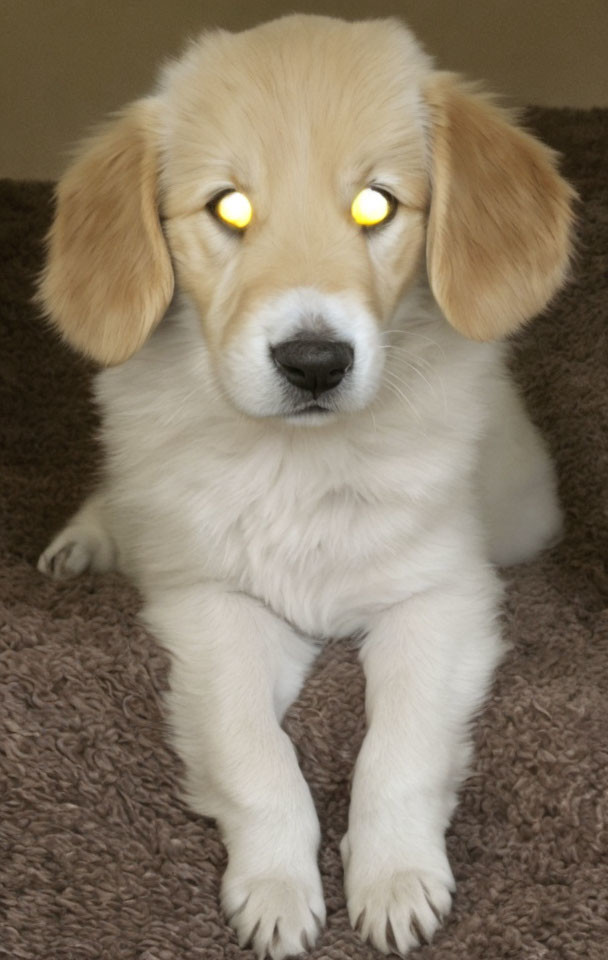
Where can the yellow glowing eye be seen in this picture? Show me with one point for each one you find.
(371, 206)
(234, 209)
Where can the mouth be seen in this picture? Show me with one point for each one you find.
(315, 408)
(310, 413)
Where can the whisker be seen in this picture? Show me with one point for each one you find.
(411, 359)
(407, 332)
(411, 364)
(392, 386)
(437, 383)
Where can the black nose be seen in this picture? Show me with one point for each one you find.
(314, 365)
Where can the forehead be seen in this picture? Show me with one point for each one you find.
(302, 89)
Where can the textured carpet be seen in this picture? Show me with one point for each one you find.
(99, 858)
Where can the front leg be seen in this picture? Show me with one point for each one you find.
(235, 669)
(428, 662)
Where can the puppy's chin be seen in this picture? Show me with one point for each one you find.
(311, 416)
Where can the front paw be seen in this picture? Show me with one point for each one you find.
(278, 915)
(395, 905)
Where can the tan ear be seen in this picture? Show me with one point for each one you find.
(499, 230)
(108, 279)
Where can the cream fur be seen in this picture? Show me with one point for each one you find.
(254, 529)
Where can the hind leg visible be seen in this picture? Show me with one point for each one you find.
(518, 482)
(84, 544)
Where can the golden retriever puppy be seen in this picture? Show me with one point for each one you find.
(295, 260)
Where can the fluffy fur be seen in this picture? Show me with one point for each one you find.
(255, 523)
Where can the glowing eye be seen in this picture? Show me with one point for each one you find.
(372, 206)
(234, 209)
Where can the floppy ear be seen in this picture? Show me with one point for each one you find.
(499, 230)
(108, 279)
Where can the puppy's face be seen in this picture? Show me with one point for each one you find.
(305, 173)
(299, 122)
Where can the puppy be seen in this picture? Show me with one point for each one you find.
(295, 260)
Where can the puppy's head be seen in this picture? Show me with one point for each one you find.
(295, 180)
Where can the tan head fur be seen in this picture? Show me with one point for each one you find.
(498, 237)
(301, 114)
(108, 279)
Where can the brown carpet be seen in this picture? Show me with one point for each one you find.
(99, 858)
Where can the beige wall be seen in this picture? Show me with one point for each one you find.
(65, 63)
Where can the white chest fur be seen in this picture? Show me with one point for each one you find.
(324, 525)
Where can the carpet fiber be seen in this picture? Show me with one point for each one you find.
(98, 856)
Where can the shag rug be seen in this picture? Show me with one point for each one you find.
(99, 858)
